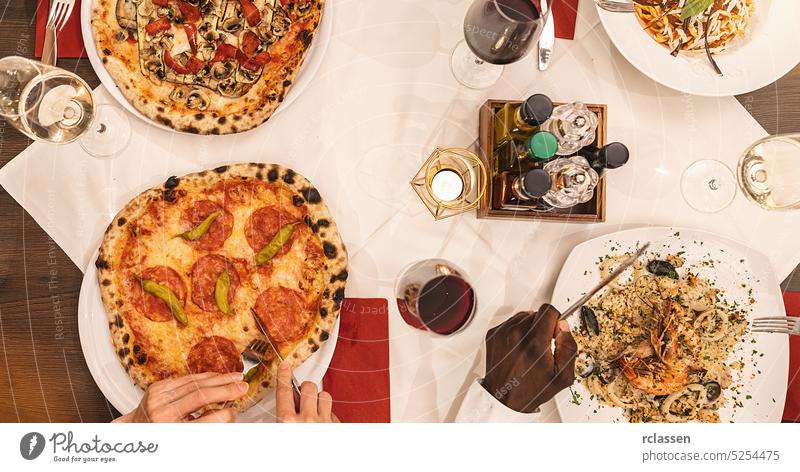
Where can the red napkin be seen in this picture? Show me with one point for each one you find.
(358, 377)
(70, 41)
(566, 14)
(792, 410)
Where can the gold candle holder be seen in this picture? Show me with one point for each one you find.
(450, 182)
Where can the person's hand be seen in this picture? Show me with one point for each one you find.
(173, 400)
(313, 406)
(522, 370)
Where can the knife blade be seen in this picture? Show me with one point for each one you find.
(274, 345)
(611, 277)
(547, 39)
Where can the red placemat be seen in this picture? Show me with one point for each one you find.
(358, 377)
(792, 410)
(70, 41)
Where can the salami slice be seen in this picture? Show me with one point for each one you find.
(204, 275)
(264, 224)
(149, 305)
(283, 312)
(214, 354)
(217, 233)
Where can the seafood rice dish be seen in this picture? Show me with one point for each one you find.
(658, 342)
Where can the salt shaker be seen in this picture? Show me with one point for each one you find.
(574, 125)
(574, 181)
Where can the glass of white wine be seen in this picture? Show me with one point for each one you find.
(53, 105)
(769, 172)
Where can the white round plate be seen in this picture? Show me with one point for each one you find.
(307, 71)
(764, 378)
(117, 385)
(766, 54)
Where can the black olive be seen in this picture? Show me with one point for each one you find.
(662, 268)
(713, 391)
(589, 321)
(172, 182)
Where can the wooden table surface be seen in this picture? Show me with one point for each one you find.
(40, 354)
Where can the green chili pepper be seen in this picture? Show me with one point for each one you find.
(165, 294)
(221, 291)
(269, 251)
(198, 231)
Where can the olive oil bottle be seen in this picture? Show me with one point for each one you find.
(520, 120)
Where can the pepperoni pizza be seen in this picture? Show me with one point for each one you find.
(193, 271)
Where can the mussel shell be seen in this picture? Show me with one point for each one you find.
(589, 322)
(584, 365)
(659, 267)
(713, 391)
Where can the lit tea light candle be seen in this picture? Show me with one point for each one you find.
(447, 185)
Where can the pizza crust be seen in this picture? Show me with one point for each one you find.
(174, 191)
(154, 99)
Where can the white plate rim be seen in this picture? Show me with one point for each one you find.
(726, 87)
(309, 68)
(124, 395)
(651, 232)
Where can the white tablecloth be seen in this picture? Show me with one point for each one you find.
(381, 101)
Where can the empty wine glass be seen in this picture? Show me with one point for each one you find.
(496, 32)
(53, 105)
(708, 186)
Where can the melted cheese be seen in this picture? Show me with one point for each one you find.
(166, 343)
(180, 40)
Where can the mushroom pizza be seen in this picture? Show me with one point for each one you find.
(205, 66)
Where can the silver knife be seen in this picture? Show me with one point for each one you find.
(611, 277)
(274, 345)
(547, 39)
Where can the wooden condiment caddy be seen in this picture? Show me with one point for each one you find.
(593, 211)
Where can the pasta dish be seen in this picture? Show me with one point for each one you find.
(680, 25)
(658, 344)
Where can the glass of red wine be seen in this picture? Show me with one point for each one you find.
(496, 32)
(433, 295)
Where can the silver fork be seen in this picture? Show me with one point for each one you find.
(253, 354)
(615, 6)
(777, 324)
(60, 11)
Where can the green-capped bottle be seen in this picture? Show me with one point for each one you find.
(540, 146)
(519, 156)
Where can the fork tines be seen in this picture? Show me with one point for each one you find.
(777, 324)
(260, 346)
(60, 10)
